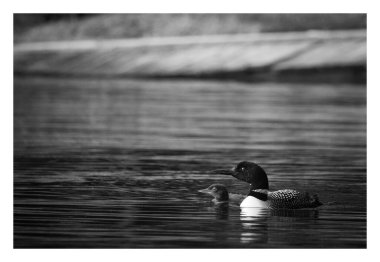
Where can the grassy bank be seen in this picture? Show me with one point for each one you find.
(55, 27)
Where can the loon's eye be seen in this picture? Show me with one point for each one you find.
(214, 189)
(242, 168)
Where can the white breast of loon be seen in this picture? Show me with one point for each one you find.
(251, 201)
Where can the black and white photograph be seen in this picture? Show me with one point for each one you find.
(189, 130)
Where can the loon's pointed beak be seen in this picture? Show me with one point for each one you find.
(206, 190)
(228, 172)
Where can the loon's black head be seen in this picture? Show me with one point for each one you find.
(248, 172)
(218, 191)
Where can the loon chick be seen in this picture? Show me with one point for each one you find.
(259, 194)
(221, 195)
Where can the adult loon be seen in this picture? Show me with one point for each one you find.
(259, 194)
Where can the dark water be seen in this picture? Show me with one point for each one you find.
(115, 163)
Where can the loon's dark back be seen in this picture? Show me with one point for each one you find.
(292, 199)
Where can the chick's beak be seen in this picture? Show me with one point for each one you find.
(206, 190)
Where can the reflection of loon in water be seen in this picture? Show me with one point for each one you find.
(259, 194)
(259, 223)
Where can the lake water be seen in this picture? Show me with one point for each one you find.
(118, 163)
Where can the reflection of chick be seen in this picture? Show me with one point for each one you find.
(221, 195)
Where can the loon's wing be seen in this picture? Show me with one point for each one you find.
(289, 198)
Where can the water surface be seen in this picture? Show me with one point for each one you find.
(118, 164)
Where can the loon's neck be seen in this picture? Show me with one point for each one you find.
(261, 194)
(223, 197)
(261, 184)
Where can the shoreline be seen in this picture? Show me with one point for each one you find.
(311, 56)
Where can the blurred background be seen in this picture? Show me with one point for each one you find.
(48, 27)
(119, 117)
(253, 47)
